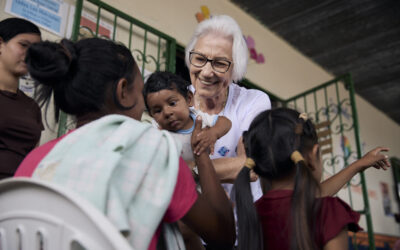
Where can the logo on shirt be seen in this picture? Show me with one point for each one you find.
(223, 151)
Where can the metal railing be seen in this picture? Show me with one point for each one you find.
(152, 49)
(334, 103)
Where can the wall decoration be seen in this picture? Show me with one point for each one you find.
(345, 145)
(251, 45)
(204, 14)
(372, 194)
(27, 85)
(89, 22)
(386, 201)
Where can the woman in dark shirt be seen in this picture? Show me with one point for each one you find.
(20, 117)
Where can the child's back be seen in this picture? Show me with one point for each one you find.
(282, 148)
(274, 212)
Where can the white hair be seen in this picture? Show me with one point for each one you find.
(228, 27)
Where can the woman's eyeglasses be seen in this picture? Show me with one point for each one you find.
(198, 60)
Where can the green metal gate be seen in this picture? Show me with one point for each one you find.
(333, 106)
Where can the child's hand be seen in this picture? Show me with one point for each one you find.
(203, 139)
(206, 140)
(375, 159)
(195, 141)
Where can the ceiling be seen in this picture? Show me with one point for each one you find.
(361, 37)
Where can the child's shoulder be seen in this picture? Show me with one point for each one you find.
(208, 120)
(335, 214)
(334, 201)
(333, 208)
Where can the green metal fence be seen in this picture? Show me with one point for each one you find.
(333, 104)
(152, 49)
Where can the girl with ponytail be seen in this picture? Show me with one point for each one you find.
(282, 148)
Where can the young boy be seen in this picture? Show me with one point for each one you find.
(169, 102)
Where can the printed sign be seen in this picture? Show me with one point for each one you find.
(48, 14)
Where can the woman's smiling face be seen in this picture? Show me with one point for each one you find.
(207, 82)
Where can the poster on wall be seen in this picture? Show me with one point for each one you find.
(27, 85)
(88, 25)
(90, 22)
(48, 14)
(387, 208)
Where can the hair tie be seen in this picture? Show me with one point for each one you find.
(298, 129)
(296, 157)
(66, 52)
(249, 163)
(303, 116)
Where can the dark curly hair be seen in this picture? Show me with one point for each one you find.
(165, 80)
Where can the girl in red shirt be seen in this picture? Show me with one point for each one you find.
(282, 148)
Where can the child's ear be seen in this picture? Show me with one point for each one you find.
(124, 93)
(315, 152)
(190, 99)
(312, 157)
(1, 43)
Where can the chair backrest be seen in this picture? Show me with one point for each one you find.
(42, 216)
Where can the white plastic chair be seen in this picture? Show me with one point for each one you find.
(41, 216)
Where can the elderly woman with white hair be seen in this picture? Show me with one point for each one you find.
(217, 58)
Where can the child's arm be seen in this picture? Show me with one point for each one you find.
(211, 216)
(209, 136)
(340, 241)
(222, 126)
(373, 158)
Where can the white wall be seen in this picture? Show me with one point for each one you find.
(285, 73)
(377, 129)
